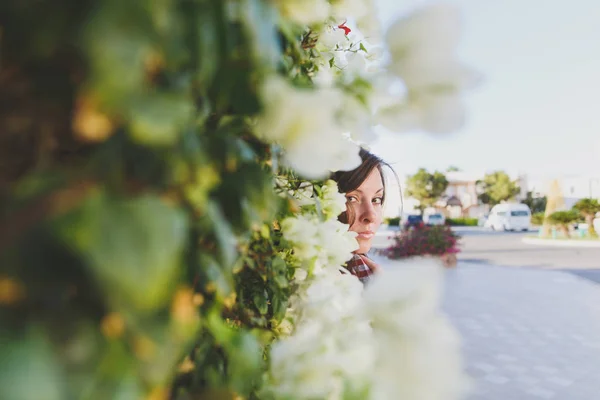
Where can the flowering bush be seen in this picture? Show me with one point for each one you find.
(166, 228)
(386, 341)
(421, 240)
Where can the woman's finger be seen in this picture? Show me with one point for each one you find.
(371, 264)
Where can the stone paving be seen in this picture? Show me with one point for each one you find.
(527, 334)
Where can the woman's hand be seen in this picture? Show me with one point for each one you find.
(371, 264)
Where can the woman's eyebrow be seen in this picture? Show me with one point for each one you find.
(360, 191)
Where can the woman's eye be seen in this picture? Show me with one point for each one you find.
(378, 200)
(351, 199)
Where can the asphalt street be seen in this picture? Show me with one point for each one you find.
(506, 249)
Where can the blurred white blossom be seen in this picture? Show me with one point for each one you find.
(390, 341)
(329, 354)
(305, 12)
(342, 9)
(404, 307)
(334, 202)
(304, 122)
(423, 50)
(339, 339)
(317, 243)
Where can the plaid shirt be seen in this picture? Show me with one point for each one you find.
(359, 268)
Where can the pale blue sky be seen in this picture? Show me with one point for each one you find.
(537, 110)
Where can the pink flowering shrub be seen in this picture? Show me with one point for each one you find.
(423, 240)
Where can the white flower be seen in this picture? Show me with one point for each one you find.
(370, 26)
(334, 202)
(429, 34)
(324, 77)
(304, 122)
(357, 121)
(305, 12)
(423, 49)
(431, 112)
(357, 64)
(403, 304)
(319, 244)
(389, 341)
(330, 354)
(339, 243)
(342, 9)
(331, 38)
(303, 232)
(304, 194)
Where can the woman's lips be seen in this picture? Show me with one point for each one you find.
(365, 235)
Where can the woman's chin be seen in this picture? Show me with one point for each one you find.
(363, 246)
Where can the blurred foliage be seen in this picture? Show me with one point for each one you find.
(535, 204)
(393, 221)
(139, 253)
(497, 187)
(462, 221)
(538, 218)
(588, 208)
(563, 220)
(427, 187)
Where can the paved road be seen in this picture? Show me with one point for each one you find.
(506, 249)
(527, 334)
(530, 323)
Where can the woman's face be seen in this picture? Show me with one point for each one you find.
(365, 204)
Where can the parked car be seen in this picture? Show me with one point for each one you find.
(413, 220)
(509, 217)
(481, 221)
(434, 219)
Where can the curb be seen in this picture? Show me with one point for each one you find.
(562, 242)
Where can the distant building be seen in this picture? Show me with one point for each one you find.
(461, 197)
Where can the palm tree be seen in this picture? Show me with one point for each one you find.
(588, 209)
(562, 219)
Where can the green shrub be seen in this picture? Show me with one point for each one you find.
(462, 221)
(537, 218)
(393, 221)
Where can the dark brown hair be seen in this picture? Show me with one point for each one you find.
(350, 180)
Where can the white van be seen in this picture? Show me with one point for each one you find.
(509, 217)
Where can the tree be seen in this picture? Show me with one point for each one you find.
(562, 219)
(535, 204)
(426, 187)
(497, 187)
(453, 168)
(588, 209)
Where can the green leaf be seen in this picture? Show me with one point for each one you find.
(259, 23)
(245, 362)
(260, 301)
(216, 276)
(207, 23)
(159, 119)
(362, 47)
(279, 268)
(29, 369)
(279, 305)
(133, 246)
(226, 240)
(118, 41)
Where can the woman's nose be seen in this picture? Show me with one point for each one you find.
(367, 213)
